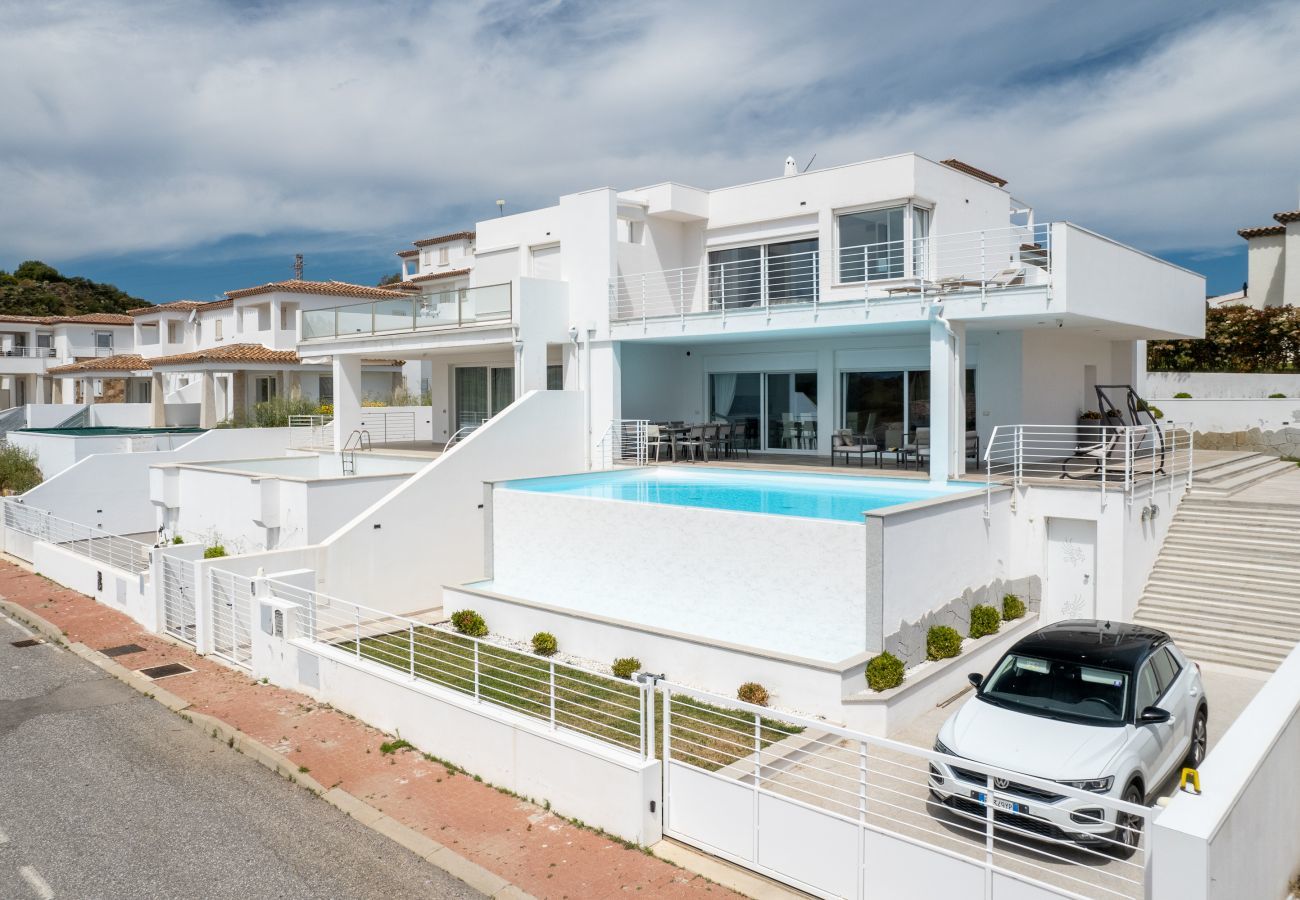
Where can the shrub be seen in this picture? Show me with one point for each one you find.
(467, 621)
(1090, 415)
(325, 409)
(275, 413)
(216, 551)
(390, 747)
(626, 666)
(18, 470)
(884, 672)
(752, 692)
(942, 642)
(1012, 607)
(1182, 395)
(984, 620)
(1156, 412)
(545, 644)
(177, 539)
(1277, 396)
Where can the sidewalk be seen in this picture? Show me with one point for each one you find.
(533, 849)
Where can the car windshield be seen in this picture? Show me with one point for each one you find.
(1058, 690)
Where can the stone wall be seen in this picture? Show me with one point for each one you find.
(908, 643)
(1280, 442)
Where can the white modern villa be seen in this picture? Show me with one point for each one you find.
(758, 433)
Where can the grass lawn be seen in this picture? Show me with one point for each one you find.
(599, 706)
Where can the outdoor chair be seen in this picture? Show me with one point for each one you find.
(1104, 459)
(973, 447)
(712, 437)
(657, 440)
(843, 442)
(740, 438)
(920, 447)
(692, 443)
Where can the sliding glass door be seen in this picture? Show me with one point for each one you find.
(778, 410)
(764, 274)
(481, 392)
(888, 407)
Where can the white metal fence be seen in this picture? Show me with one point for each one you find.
(231, 599)
(1123, 458)
(624, 443)
(388, 427)
(112, 550)
(596, 705)
(978, 263)
(839, 813)
(179, 603)
(311, 432)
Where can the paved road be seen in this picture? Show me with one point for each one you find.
(106, 794)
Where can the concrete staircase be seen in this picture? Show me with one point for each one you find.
(1226, 585)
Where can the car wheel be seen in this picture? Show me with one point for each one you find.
(1128, 827)
(1196, 752)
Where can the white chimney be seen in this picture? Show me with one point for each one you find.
(790, 167)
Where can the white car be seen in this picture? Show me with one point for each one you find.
(1109, 708)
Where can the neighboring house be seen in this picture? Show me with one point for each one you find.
(228, 355)
(861, 297)
(1272, 265)
(31, 347)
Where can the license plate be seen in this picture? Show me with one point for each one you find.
(1000, 803)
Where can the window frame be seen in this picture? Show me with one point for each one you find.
(910, 207)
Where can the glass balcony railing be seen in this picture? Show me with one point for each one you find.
(449, 309)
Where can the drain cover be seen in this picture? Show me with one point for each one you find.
(28, 642)
(122, 650)
(166, 670)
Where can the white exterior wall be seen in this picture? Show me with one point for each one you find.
(1222, 385)
(1230, 415)
(1265, 276)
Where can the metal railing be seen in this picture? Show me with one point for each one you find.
(1123, 458)
(772, 772)
(624, 443)
(449, 309)
(979, 263)
(81, 352)
(612, 710)
(30, 352)
(311, 432)
(113, 550)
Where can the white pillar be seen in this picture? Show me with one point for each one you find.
(207, 401)
(347, 397)
(69, 391)
(156, 400)
(530, 372)
(947, 432)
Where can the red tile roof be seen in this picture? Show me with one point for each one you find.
(331, 288)
(84, 319)
(1285, 217)
(1261, 231)
(434, 276)
(446, 238)
(407, 254)
(231, 353)
(968, 169)
(182, 306)
(127, 362)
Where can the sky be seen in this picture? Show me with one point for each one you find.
(182, 149)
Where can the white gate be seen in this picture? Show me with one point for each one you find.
(178, 598)
(231, 598)
(838, 813)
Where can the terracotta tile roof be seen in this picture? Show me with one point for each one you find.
(434, 276)
(1261, 231)
(407, 254)
(331, 288)
(446, 238)
(231, 353)
(968, 169)
(126, 362)
(84, 319)
(1285, 217)
(182, 306)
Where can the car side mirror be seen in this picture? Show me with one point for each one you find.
(975, 679)
(1153, 715)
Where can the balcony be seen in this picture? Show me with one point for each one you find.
(980, 263)
(30, 352)
(457, 308)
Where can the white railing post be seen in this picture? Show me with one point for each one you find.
(476, 679)
(357, 611)
(552, 665)
(412, 637)
(648, 736)
(758, 775)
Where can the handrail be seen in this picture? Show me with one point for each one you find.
(417, 312)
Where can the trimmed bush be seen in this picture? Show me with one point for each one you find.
(468, 622)
(1277, 396)
(545, 644)
(626, 666)
(1182, 395)
(216, 551)
(942, 642)
(884, 672)
(752, 692)
(1012, 607)
(178, 539)
(984, 620)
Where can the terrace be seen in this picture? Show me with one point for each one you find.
(457, 308)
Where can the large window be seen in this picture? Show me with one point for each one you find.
(874, 243)
(481, 392)
(785, 272)
(889, 406)
(778, 410)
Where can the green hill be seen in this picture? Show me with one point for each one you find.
(35, 289)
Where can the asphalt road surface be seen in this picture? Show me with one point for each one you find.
(106, 794)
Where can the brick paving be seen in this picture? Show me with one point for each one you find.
(536, 850)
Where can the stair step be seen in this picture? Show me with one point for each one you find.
(1232, 467)
(1210, 553)
(1246, 479)
(1232, 535)
(1276, 648)
(1226, 617)
(1216, 653)
(1243, 593)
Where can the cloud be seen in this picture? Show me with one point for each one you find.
(135, 128)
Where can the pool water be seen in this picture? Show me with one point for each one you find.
(843, 498)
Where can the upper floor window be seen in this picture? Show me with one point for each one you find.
(288, 316)
(784, 272)
(103, 340)
(216, 329)
(45, 340)
(630, 231)
(173, 332)
(443, 256)
(871, 244)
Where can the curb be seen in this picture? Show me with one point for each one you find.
(430, 851)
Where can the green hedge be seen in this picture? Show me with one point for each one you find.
(942, 642)
(984, 620)
(1012, 607)
(884, 672)
(1237, 339)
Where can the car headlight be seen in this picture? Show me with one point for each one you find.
(1096, 785)
(939, 747)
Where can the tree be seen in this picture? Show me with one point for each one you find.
(35, 270)
(18, 470)
(1237, 339)
(395, 278)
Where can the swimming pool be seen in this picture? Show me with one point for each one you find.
(839, 497)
